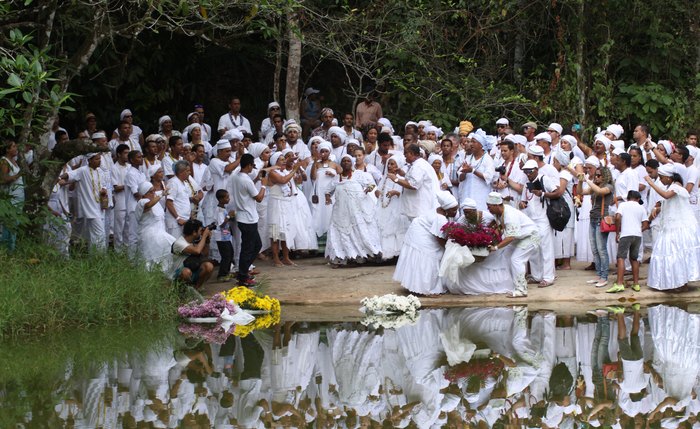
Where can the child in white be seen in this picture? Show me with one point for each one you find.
(222, 234)
(631, 218)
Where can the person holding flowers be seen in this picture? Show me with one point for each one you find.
(521, 236)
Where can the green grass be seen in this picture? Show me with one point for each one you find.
(41, 291)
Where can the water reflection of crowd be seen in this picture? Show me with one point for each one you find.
(457, 368)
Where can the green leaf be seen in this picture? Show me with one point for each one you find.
(14, 80)
(27, 96)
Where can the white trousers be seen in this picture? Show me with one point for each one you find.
(119, 227)
(518, 257)
(132, 237)
(542, 261)
(94, 231)
(175, 231)
(108, 220)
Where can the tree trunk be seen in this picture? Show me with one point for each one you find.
(580, 65)
(278, 69)
(291, 97)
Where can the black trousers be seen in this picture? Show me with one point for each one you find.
(226, 251)
(250, 247)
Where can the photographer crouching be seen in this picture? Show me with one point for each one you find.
(191, 254)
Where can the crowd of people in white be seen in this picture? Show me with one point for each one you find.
(374, 196)
(471, 367)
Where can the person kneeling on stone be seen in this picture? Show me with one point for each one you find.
(519, 233)
(190, 254)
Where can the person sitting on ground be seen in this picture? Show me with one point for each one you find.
(190, 251)
(630, 220)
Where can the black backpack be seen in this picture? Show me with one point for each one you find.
(558, 213)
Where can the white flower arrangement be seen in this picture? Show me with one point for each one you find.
(390, 303)
(390, 320)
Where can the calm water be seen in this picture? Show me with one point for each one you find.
(477, 367)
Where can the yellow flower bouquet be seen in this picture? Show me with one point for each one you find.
(249, 300)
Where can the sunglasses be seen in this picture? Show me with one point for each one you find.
(500, 126)
(598, 175)
(528, 171)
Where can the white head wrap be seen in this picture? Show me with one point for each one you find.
(434, 157)
(234, 134)
(555, 127)
(446, 200)
(190, 115)
(494, 199)
(325, 145)
(338, 132)
(502, 121)
(468, 203)
(310, 91)
(223, 144)
(124, 113)
(90, 155)
(543, 136)
(571, 139)
(275, 157)
(145, 187)
(668, 146)
(615, 129)
(398, 159)
(692, 151)
(256, 149)
(272, 104)
(424, 123)
(161, 120)
(606, 141)
(618, 144)
(490, 142)
(385, 122)
(666, 170)
(593, 160)
(563, 157)
(618, 151)
(480, 136)
(351, 140)
(385, 129)
(99, 135)
(292, 125)
(352, 160)
(517, 139)
(535, 150)
(152, 170)
(410, 123)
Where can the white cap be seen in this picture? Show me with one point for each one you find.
(99, 135)
(310, 91)
(468, 203)
(615, 129)
(446, 200)
(593, 160)
(618, 151)
(145, 187)
(555, 127)
(543, 136)
(494, 199)
(223, 144)
(666, 170)
(517, 139)
(693, 151)
(233, 134)
(502, 121)
(535, 150)
(531, 164)
(272, 104)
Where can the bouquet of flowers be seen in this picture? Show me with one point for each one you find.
(266, 309)
(472, 236)
(477, 368)
(212, 333)
(391, 320)
(390, 303)
(209, 309)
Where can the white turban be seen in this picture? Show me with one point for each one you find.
(325, 145)
(163, 119)
(145, 187)
(272, 104)
(352, 160)
(517, 139)
(692, 151)
(124, 113)
(593, 160)
(430, 129)
(480, 136)
(338, 132)
(275, 157)
(468, 203)
(90, 155)
(190, 115)
(494, 199)
(666, 170)
(618, 144)
(544, 136)
(99, 135)
(256, 149)
(223, 144)
(606, 141)
(563, 157)
(233, 134)
(668, 146)
(385, 122)
(615, 129)
(434, 157)
(424, 123)
(535, 150)
(410, 123)
(351, 140)
(398, 159)
(446, 200)
(555, 127)
(571, 139)
(292, 125)
(490, 142)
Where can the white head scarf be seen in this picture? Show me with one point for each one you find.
(256, 149)
(145, 187)
(338, 132)
(398, 159)
(446, 200)
(124, 113)
(275, 157)
(325, 145)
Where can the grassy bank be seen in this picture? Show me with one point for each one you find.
(41, 291)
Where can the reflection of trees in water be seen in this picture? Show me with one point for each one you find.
(454, 368)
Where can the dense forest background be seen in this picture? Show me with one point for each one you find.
(570, 61)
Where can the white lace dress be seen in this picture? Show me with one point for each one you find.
(153, 240)
(392, 223)
(353, 234)
(675, 257)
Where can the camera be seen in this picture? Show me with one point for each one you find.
(534, 186)
(211, 226)
(501, 169)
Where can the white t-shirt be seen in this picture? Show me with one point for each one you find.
(178, 256)
(223, 230)
(118, 177)
(633, 214)
(228, 122)
(134, 177)
(243, 191)
(628, 180)
(180, 193)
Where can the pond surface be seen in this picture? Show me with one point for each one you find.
(463, 367)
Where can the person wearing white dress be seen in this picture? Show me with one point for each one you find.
(477, 171)
(675, 257)
(281, 228)
(583, 243)
(153, 242)
(353, 235)
(490, 276)
(564, 240)
(324, 174)
(391, 222)
(419, 260)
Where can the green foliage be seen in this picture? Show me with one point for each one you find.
(42, 291)
(33, 374)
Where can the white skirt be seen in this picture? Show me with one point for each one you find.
(280, 212)
(564, 243)
(583, 225)
(490, 276)
(305, 236)
(675, 259)
(392, 227)
(417, 271)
